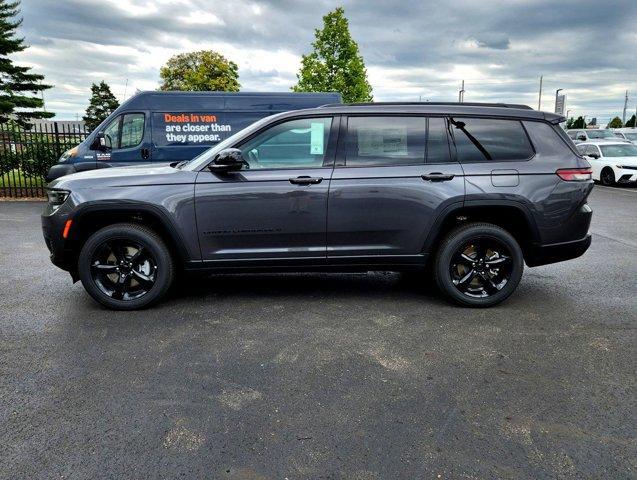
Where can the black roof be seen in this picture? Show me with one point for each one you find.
(443, 108)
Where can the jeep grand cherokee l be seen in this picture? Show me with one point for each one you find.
(468, 192)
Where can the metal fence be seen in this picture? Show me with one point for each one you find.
(27, 154)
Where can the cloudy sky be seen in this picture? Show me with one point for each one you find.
(413, 49)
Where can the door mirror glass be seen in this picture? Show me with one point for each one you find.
(227, 160)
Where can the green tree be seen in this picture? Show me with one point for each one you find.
(101, 104)
(630, 122)
(17, 82)
(615, 123)
(578, 123)
(200, 71)
(335, 64)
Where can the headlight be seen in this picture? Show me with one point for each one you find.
(57, 197)
(68, 154)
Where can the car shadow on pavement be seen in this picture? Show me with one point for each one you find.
(361, 285)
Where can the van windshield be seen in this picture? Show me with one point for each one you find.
(204, 158)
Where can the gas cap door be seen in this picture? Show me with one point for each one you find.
(505, 178)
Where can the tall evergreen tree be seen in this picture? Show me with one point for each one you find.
(101, 105)
(615, 123)
(335, 64)
(16, 81)
(630, 122)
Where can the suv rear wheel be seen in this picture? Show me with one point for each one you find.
(126, 266)
(478, 265)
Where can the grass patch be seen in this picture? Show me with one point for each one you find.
(16, 178)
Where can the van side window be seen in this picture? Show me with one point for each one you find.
(437, 141)
(385, 141)
(126, 130)
(132, 130)
(485, 139)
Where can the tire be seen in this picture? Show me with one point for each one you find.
(607, 177)
(130, 251)
(458, 268)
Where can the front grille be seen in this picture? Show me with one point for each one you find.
(624, 178)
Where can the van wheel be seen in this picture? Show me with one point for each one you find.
(126, 266)
(478, 265)
(607, 177)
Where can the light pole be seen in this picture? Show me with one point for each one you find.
(556, 92)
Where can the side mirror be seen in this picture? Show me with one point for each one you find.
(101, 142)
(582, 138)
(227, 160)
(593, 155)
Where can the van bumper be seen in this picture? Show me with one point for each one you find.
(59, 170)
(557, 252)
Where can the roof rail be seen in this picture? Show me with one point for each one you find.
(458, 104)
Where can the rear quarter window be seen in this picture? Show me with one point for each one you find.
(549, 139)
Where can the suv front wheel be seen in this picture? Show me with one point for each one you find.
(126, 266)
(478, 265)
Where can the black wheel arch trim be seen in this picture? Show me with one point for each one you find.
(454, 208)
(122, 206)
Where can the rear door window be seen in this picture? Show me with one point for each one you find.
(486, 139)
(385, 141)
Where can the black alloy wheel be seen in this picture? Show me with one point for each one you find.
(478, 265)
(123, 269)
(126, 266)
(481, 267)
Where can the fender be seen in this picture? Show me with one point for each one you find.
(454, 208)
(116, 206)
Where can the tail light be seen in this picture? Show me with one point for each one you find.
(575, 174)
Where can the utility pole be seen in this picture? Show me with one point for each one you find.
(539, 98)
(125, 89)
(625, 105)
(461, 93)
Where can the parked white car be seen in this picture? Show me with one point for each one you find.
(629, 134)
(587, 135)
(612, 162)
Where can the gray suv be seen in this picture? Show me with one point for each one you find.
(468, 193)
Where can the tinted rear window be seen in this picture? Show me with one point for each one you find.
(483, 139)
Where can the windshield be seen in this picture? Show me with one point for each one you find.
(600, 134)
(204, 158)
(631, 136)
(619, 150)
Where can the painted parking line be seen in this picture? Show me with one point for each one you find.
(616, 189)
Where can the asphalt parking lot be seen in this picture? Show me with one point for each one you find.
(357, 376)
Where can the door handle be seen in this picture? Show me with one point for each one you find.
(304, 180)
(437, 177)
(145, 153)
